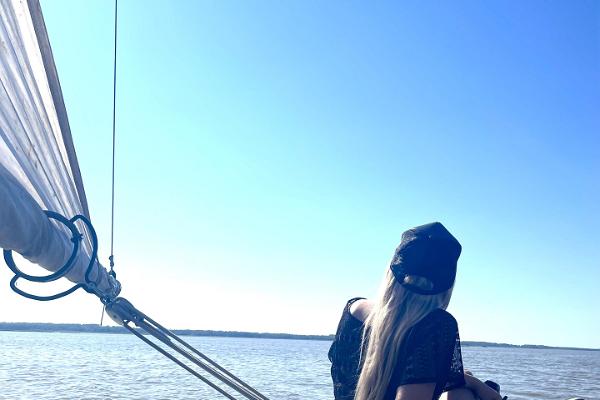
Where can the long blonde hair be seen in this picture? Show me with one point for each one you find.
(395, 311)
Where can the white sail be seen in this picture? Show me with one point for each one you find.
(38, 165)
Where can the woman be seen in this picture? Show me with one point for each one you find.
(405, 346)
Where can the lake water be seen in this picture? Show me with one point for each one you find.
(104, 366)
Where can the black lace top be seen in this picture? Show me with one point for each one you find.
(429, 353)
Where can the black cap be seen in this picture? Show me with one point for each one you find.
(427, 251)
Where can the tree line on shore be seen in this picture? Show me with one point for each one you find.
(93, 328)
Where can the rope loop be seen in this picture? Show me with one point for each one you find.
(76, 237)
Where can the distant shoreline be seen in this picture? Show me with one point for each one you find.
(92, 328)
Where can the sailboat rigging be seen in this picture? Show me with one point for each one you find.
(44, 213)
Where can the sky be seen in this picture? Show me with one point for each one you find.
(270, 155)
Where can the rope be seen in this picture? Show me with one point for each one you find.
(176, 361)
(89, 285)
(210, 366)
(124, 313)
(112, 218)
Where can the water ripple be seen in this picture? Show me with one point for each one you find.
(44, 366)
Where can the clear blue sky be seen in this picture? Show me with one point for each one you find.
(270, 154)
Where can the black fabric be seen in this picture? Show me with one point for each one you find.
(344, 354)
(429, 251)
(429, 353)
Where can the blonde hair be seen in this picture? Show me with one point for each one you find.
(395, 311)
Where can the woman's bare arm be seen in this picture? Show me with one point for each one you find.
(415, 391)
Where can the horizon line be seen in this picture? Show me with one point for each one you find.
(51, 327)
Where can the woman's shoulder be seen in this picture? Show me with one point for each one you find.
(349, 324)
(347, 320)
(437, 322)
(359, 308)
(354, 300)
(440, 315)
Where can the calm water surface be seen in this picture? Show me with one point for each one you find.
(104, 366)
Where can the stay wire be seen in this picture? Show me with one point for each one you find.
(178, 362)
(200, 359)
(175, 348)
(112, 221)
(220, 373)
(111, 259)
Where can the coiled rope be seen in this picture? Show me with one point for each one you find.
(89, 285)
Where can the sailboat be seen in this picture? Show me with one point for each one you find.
(44, 213)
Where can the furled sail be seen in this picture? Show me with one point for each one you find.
(38, 165)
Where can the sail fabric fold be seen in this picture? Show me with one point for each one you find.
(38, 165)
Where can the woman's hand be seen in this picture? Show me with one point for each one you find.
(487, 393)
(483, 391)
